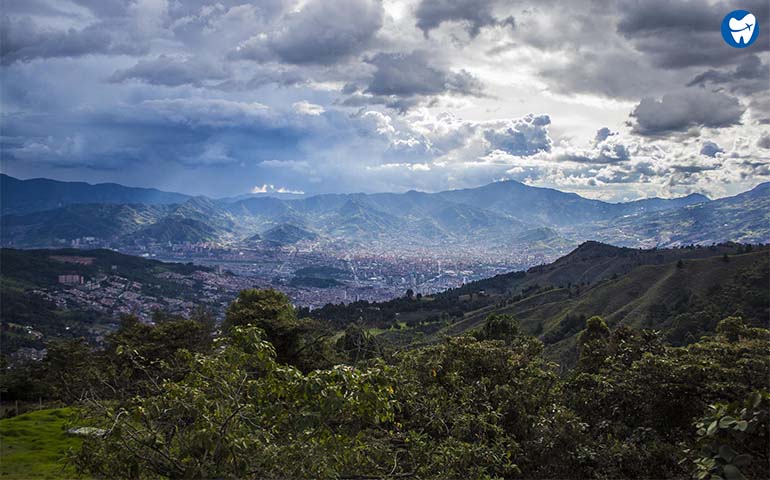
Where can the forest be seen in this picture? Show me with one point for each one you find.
(269, 394)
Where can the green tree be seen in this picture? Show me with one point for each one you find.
(240, 414)
(593, 344)
(499, 327)
(299, 342)
(358, 344)
(72, 370)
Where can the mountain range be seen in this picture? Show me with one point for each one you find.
(504, 214)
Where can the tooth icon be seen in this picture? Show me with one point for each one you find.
(743, 29)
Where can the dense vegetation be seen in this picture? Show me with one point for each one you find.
(272, 395)
(609, 363)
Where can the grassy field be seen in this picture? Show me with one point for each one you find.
(33, 445)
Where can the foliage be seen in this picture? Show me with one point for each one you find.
(239, 413)
(644, 397)
(732, 440)
(275, 396)
(300, 342)
(477, 409)
(499, 327)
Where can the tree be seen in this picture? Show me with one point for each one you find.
(357, 344)
(70, 368)
(267, 309)
(140, 356)
(299, 342)
(499, 327)
(593, 344)
(240, 414)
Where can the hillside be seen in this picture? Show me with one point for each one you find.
(62, 225)
(286, 234)
(176, 230)
(638, 288)
(35, 306)
(683, 301)
(38, 194)
(742, 218)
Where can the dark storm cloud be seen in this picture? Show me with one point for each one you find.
(682, 110)
(710, 149)
(475, 14)
(522, 137)
(24, 40)
(323, 32)
(605, 153)
(603, 134)
(171, 71)
(184, 131)
(687, 33)
(748, 77)
(407, 78)
(613, 74)
(238, 66)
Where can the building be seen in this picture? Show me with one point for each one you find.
(71, 279)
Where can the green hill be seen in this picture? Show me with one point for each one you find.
(634, 287)
(102, 221)
(683, 300)
(35, 445)
(176, 230)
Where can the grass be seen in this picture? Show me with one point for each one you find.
(33, 445)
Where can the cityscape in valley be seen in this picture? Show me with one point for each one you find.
(321, 250)
(384, 239)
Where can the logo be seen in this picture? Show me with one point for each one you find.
(740, 29)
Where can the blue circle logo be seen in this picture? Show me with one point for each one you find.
(740, 28)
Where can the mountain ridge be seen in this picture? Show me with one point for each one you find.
(506, 214)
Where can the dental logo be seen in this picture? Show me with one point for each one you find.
(740, 29)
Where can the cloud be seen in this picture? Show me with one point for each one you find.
(522, 137)
(171, 71)
(306, 108)
(749, 76)
(682, 34)
(211, 154)
(684, 109)
(710, 149)
(344, 95)
(268, 188)
(322, 32)
(603, 153)
(475, 14)
(603, 134)
(24, 40)
(404, 80)
(201, 112)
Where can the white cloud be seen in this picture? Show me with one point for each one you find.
(306, 108)
(269, 188)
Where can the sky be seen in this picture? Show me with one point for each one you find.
(612, 100)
